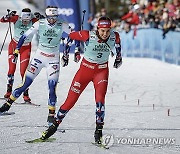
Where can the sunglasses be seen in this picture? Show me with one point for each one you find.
(52, 17)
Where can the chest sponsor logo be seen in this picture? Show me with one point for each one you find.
(101, 47)
(50, 33)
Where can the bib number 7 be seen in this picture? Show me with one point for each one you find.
(49, 40)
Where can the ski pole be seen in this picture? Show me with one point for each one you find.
(15, 55)
(82, 23)
(12, 13)
(84, 11)
(4, 40)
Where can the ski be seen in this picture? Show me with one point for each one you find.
(100, 145)
(2, 98)
(39, 140)
(24, 103)
(6, 113)
(27, 103)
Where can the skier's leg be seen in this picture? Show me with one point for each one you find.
(79, 83)
(25, 52)
(53, 70)
(11, 70)
(100, 84)
(52, 101)
(10, 80)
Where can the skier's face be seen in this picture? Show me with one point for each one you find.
(26, 22)
(104, 33)
(52, 19)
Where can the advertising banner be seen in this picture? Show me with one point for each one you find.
(150, 43)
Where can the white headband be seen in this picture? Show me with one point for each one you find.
(52, 11)
(26, 16)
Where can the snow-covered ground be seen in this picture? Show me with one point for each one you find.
(139, 95)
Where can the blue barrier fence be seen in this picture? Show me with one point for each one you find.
(150, 43)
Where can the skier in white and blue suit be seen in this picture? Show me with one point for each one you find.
(50, 31)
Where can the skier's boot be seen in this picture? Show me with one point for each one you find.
(50, 118)
(98, 133)
(9, 91)
(26, 96)
(51, 130)
(6, 106)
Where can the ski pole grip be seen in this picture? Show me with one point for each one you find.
(15, 58)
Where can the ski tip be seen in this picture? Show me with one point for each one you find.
(6, 113)
(30, 103)
(27, 103)
(2, 98)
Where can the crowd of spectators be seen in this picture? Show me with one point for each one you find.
(162, 14)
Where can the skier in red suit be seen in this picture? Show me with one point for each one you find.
(98, 46)
(21, 24)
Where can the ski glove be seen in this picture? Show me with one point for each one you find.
(12, 13)
(38, 15)
(77, 55)
(65, 60)
(117, 62)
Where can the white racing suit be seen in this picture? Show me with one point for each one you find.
(47, 55)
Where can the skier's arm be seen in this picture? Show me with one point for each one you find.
(82, 35)
(66, 28)
(118, 59)
(34, 20)
(28, 33)
(118, 44)
(79, 36)
(65, 58)
(6, 19)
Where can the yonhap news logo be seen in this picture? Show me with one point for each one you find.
(109, 140)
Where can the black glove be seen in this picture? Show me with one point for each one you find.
(77, 55)
(65, 60)
(12, 13)
(117, 62)
(38, 15)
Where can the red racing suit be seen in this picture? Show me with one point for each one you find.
(88, 71)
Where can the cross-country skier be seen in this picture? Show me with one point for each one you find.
(94, 67)
(47, 55)
(21, 24)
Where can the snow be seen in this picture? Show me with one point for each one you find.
(147, 81)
